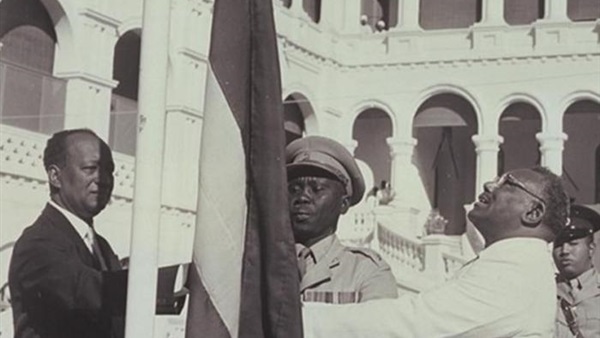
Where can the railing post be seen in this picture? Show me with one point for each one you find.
(435, 247)
(434, 265)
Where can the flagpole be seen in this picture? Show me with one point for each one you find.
(141, 290)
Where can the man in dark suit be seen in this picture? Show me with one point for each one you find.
(62, 275)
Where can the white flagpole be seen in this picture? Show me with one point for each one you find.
(141, 291)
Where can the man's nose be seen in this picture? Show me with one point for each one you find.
(302, 196)
(489, 186)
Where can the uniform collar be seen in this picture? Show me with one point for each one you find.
(587, 277)
(327, 257)
(322, 247)
(83, 229)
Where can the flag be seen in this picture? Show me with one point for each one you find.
(244, 279)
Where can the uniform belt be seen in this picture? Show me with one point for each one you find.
(570, 317)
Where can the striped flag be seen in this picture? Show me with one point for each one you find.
(243, 280)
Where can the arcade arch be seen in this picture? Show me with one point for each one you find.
(445, 155)
(519, 124)
(298, 117)
(372, 127)
(124, 107)
(581, 155)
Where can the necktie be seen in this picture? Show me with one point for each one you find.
(303, 256)
(98, 254)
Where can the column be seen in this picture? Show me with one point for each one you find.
(488, 35)
(87, 102)
(551, 147)
(331, 16)
(89, 77)
(492, 13)
(350, 21)
(486, 148)
(401, 151)
(408, 15)
(411, 196)
(180, 175)
(556, 10)
(297, 7)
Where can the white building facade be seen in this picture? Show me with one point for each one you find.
(434, 99)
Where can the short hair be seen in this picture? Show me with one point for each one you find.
(55, 152)
(556, 198)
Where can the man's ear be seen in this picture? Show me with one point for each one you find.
(345, 204)
(53, 172)
(534, 215)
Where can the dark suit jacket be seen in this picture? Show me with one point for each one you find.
(57, 287)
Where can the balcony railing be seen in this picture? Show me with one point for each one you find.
(417, 262)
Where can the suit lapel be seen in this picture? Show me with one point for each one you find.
(321, 272)
(112, 261)
(62, 224)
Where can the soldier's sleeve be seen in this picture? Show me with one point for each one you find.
(377, 280)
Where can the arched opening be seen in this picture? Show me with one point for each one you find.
(32, 98)
(379, 15)
(371, 129)
(434, 14)
(124, 108)
(299, 117)
(286, 3)
(293, 120)
(583, 10)
(519, 123)
(581, 123)
(445, 155)
(523, 12)
(312, 8)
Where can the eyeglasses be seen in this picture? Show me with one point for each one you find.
(511, 180)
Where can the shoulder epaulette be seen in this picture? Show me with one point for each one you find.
(368, 253)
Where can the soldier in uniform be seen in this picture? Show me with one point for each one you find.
(578, 282)
(323, 182)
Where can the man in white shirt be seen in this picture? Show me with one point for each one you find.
(63, 277)
(508, 291)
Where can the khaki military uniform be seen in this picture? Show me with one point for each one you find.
(338, 274)
(580, 296)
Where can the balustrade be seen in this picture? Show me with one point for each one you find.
(406, 255)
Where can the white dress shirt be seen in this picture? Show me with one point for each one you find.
(508, 291)
(83, 229)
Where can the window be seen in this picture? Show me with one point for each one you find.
(583, 10)
(379, 15)
(312, 8)
(32, 98)
(124, 107)
(523, 12)
(435, 14)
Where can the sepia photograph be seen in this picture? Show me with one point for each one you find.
(299, 168)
